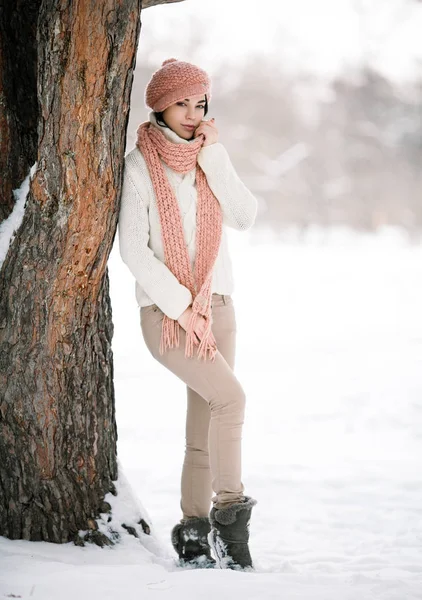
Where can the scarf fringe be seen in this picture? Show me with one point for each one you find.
(191, 335)
(208, 344)
(169, 334)
(170, 338)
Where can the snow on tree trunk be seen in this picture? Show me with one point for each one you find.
(57, 415)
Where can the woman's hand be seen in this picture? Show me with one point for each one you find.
(199, 325)
(209, 130)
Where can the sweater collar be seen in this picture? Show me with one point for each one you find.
(167, 132)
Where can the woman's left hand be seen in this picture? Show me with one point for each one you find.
(210, 131)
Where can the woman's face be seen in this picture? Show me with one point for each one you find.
(185, 112)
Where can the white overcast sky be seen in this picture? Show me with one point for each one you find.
(319, 35)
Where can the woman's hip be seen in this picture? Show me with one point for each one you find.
(222, 310)
(223, 328)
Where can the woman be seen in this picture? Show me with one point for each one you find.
(179, 193)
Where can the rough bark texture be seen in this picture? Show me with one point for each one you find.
(18, 96)
(57, 415)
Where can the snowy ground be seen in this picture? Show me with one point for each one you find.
(330, 357)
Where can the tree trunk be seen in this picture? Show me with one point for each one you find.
(57, 415)
(18, 96)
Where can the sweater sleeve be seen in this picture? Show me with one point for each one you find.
(152, 274)
(238, 205)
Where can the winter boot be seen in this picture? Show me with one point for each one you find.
(189, 539)
(229, 534)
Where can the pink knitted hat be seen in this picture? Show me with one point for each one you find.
(174, 81)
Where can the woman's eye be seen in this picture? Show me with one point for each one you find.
(183, 104)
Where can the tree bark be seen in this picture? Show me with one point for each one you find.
(18, 96)
(57, 415)
(148, 3)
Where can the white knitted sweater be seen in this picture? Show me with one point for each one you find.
(139, 227)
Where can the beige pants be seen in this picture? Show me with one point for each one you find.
(215, 410)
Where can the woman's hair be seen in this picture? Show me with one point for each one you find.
(159, 115)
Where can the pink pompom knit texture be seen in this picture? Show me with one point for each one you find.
(174, 81)
(209, 220)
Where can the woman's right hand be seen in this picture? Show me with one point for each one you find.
(199, 325)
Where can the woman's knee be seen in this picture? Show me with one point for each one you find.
(199, 449)
(197, 440)
(231, 399)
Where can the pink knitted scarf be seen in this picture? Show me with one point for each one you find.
(182, 158)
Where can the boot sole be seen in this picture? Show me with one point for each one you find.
(195, 564)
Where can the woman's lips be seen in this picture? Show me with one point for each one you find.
(189, 127)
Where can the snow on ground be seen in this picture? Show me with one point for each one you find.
(330, 356)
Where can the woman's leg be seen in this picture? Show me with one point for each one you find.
(196, 481)
(215, 382)
(196, 488)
